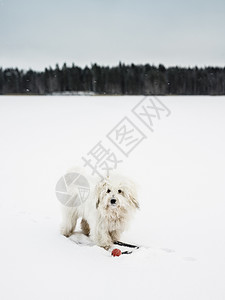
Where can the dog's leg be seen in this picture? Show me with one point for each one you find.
(102, 238)
(115, 235)
(85, 227)
(69, 221)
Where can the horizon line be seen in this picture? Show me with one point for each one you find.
(73, 64)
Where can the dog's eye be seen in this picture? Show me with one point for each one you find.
(108, 191)
(119, 191)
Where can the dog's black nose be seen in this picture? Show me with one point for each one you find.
(113, 201)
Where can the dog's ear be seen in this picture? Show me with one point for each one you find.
(132, 195)
(97, 203)
(98, 191)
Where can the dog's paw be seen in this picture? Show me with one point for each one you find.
(66, 232)
(105, 246)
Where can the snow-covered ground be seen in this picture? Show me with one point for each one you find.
(180, 172)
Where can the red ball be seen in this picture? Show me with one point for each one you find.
(116, 252)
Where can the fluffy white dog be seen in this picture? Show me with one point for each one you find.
(106, 212)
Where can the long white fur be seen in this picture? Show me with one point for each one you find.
(106, 221)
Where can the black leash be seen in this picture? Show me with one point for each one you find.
(126, 245)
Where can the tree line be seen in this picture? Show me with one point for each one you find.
(119, 80)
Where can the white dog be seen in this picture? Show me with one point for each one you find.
(106, 212)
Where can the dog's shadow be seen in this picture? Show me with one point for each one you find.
(81, 239)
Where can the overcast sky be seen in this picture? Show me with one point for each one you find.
(40, 33)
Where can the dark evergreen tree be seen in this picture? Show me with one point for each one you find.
(120, 80)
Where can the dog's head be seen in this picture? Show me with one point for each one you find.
(116, 194)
